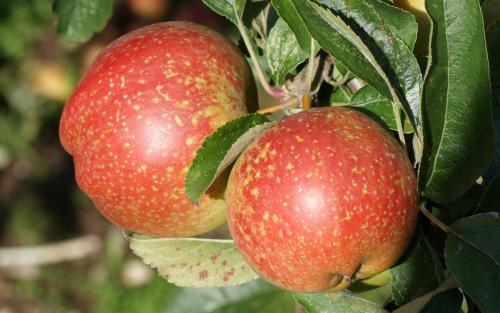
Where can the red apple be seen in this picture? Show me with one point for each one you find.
(137, 117)
(321, 198)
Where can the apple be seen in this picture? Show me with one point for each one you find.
(137, 117)
(322, 198)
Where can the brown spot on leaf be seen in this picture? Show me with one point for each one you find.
(203, 274)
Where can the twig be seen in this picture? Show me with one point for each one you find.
(336, 83)
(310, 67)
(432, 218)
(263, 80)
(288, 103)
(67, 250)
(355, 84)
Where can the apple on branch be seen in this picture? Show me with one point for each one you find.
(137, 117)
(321, 198)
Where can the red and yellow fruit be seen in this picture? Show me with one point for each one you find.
(136, 119)
(321, 198)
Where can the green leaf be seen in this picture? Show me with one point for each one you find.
(338, 39)
(399, 22)
(370, 101)
(80, 19)
(419, 303)
(493, 41)
(457, 106)
(490, 202)
(402, 69)
(237, 9)
(255, 296)
(289, 14)
(340, 96)
(228, 8)
(473, 256)
(219, 150)
(193, 262)
(376, 289)
(338, 302)
(460, 207)
(449, 301)
(419, 274)
(282, 51)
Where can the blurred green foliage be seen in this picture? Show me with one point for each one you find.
(21, 22)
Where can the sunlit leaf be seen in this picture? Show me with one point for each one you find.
(219, 150)
(193, 262)
(457, 119)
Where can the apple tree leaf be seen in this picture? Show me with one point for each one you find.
(371, 102)
(457, 102)
(340, 96)
(254, 296)
(282, 51)
(473, 256)
(416, 305)
(390, 51)
(341, 41)
(235, 10)
(490, 202)
(287, 11)
(334, 36)
(461, 207)
(228, 8)
(220, 149)
(401, 23)
(449, 301)
(193, 262)
(338, 302)
(376, 289)
(78, 20)
(420, 273)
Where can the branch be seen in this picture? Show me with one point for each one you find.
(68, 250)
(263, 80)
(432, 218)
(273, 108)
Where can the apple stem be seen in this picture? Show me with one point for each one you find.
(273, 108)
(262, 78)
(432, 218)
(306, 101)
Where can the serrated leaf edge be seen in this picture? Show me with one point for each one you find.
(130, 236)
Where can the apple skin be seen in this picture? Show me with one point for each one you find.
(137, 117)
(322, 197)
